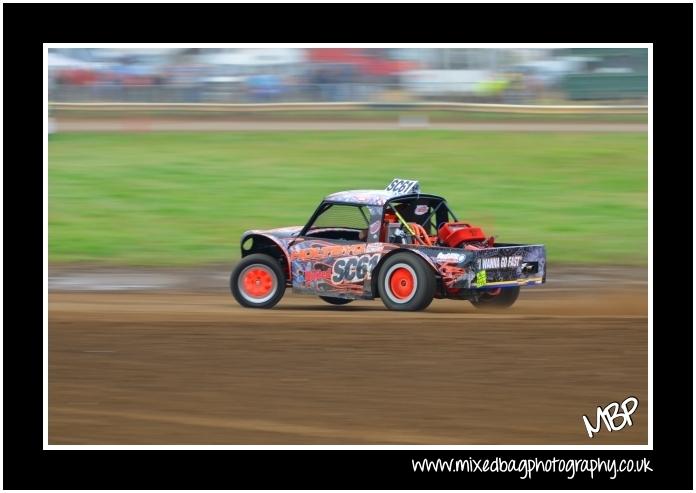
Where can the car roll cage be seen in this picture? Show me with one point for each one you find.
(325, 204)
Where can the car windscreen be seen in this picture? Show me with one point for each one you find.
(342, 216)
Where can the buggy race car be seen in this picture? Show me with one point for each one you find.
(397, 244)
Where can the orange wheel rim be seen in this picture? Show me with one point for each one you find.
(401, 283)
(257, 282)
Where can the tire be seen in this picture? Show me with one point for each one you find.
(406, 282)
(258, 281)
(336, 301)
(504, 299)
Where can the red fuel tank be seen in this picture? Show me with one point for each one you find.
(453, 234)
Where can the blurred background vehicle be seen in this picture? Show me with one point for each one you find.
(347, 74)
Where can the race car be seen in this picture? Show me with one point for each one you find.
(397, 244)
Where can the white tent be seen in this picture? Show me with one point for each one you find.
(54, 60)
(256, 57)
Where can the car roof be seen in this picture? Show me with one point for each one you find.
(371, 197)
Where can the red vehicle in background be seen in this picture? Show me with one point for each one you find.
(367, 62)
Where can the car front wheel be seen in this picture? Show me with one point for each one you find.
(258, 281)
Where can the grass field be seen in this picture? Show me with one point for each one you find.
(185, 198)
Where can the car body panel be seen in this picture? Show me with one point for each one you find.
(345, 269)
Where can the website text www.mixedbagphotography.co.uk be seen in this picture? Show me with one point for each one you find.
(527, 467)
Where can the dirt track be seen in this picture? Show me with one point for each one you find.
(156, 367)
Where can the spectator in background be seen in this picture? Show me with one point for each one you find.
(264, 87)
(185, 79)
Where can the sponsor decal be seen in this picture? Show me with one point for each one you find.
(374, 227)
(450, 257)
(373, 247)
(421, 209)
(317, 253)
(481, 278)
(353, 269)
(316, 275)
(499, 262)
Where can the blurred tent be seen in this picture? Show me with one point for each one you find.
(56, 60)
(256, 57)
(435, 83)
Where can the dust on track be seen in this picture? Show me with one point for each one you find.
(177, 367)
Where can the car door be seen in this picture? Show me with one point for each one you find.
(330, 258)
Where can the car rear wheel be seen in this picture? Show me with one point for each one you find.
(406, 283)
(497, 298)
(336, 301)
(258, 281)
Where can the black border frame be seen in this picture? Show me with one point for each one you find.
(26, 26)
